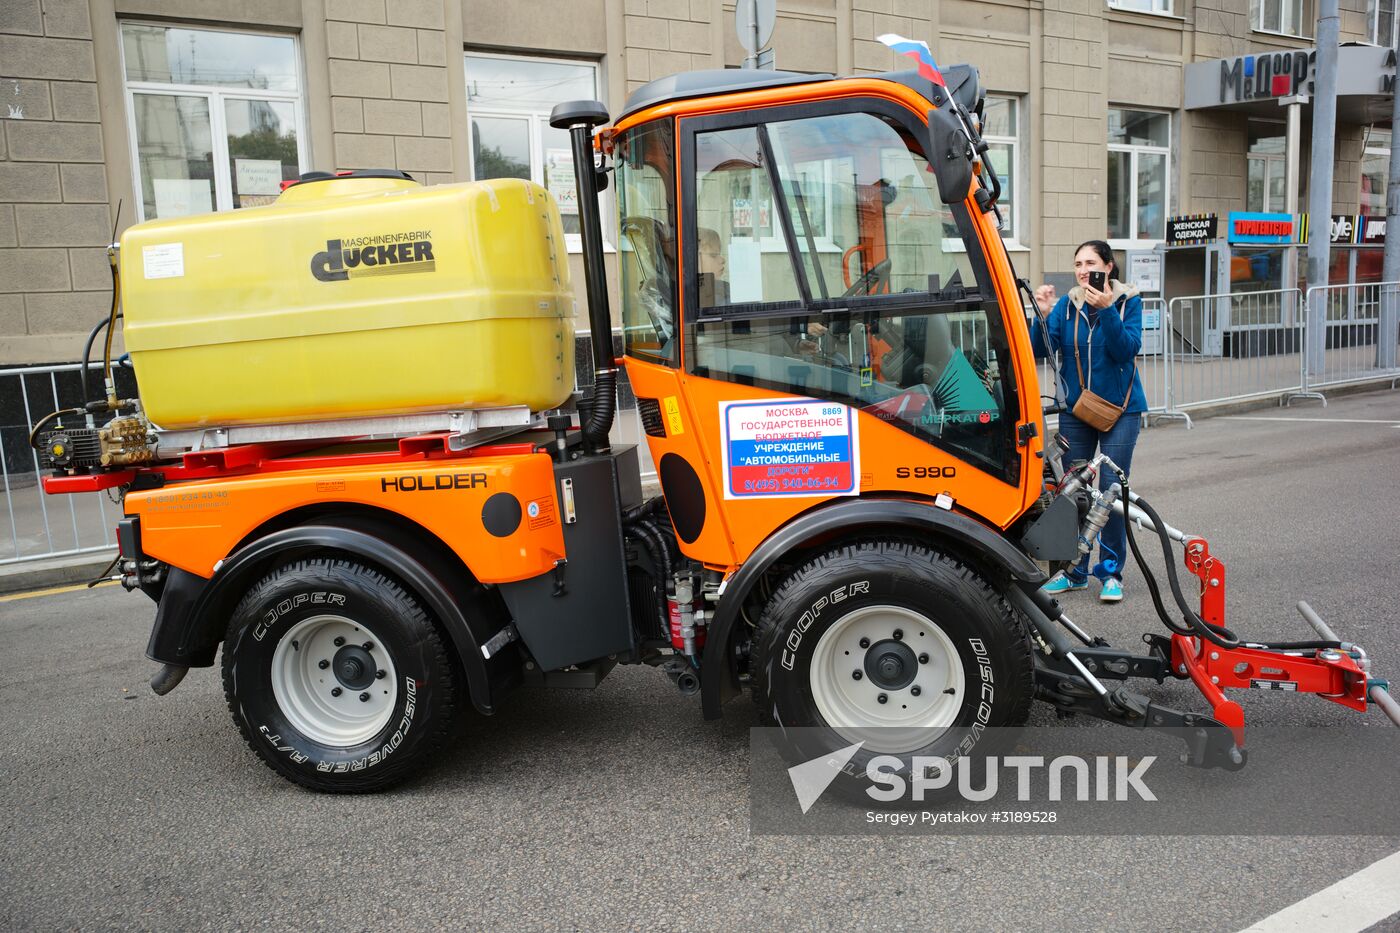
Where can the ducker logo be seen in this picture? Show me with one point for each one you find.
(384, 254)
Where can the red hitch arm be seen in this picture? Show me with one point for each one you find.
(1332, 675)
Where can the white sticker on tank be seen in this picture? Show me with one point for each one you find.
(166, 261)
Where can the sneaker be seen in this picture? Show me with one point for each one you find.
(1112, 591)
(1063, 584)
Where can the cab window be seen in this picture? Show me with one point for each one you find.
(645, 160)
(821, 269)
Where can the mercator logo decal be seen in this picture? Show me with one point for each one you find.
(383, 254)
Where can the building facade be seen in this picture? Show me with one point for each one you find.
(187, 106)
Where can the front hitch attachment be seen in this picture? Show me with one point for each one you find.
(1209, 742)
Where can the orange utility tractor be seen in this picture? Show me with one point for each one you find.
(359, 462)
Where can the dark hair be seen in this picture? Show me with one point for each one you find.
(1103, 249)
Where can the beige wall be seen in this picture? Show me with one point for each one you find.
(385, 87)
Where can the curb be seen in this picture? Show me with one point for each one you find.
(1275, 400)
(59, 571)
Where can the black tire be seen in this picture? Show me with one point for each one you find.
(878, 581)
(377, 729)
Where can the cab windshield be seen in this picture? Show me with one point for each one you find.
(826, 265)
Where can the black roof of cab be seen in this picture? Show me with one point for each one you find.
(962, 80)
(689, 84)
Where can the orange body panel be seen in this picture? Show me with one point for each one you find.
(735, 527)
(195, 525)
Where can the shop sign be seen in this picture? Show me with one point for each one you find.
(1192, 229)
(1276, 74)
(1360, 230)
(1253, 227)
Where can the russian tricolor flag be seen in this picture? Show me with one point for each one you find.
(917, 50)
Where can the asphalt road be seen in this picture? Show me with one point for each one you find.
(621, 808)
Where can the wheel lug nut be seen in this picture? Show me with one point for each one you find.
(335, 691)
(368, 646)
(865, 643)
(323, 664)
(898, 634)
(379, 675)
(915, 691)
(364, 698)
(883, 699)
(338, 641)
(857, 675)
(923, 658)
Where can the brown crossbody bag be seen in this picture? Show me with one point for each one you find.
(1095, 410)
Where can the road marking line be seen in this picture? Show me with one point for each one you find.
(54, 591)
(1391, 421)
(1352, 904)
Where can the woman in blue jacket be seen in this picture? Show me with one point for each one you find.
(1106, 326)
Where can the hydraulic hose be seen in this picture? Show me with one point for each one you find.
(1147, 573)
(51, 416)
(1217, 635)
(655, 543)
(87, 351)
(110, 385)
(1225, 638)
(600, 413)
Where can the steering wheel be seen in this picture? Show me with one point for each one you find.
(875, 279)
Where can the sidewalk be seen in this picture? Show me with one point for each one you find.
(86, 522)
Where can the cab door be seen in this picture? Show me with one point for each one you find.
(839, 334)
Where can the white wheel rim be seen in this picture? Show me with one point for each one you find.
(325, 703)
(911, 713)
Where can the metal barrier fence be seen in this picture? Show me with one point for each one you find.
(1230, 347)
(41, 526)
(1361, 336)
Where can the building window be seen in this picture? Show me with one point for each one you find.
(1266, 187)
(1380, 15)
(508, 105)
(1001, 129)
(1139, 189)
(1143, 6)
(1375, 169)
(1288, 17)
(215, 117)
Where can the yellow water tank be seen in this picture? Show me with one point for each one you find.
(354, 296)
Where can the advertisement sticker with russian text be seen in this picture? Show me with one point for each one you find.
(789, 447)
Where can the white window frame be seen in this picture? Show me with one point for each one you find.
(1369, 148)
(1272, 161)
(1134, 241)
(537, 120)
(1153, 7)
(1292, 22)
(1011, 236)
(215, 96)
(1373, 19)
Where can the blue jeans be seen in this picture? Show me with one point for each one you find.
(1118, 443)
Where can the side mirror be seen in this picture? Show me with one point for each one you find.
(949, 154)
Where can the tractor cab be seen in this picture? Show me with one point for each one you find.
(784, 238)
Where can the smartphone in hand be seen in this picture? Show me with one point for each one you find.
(1098, 281)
